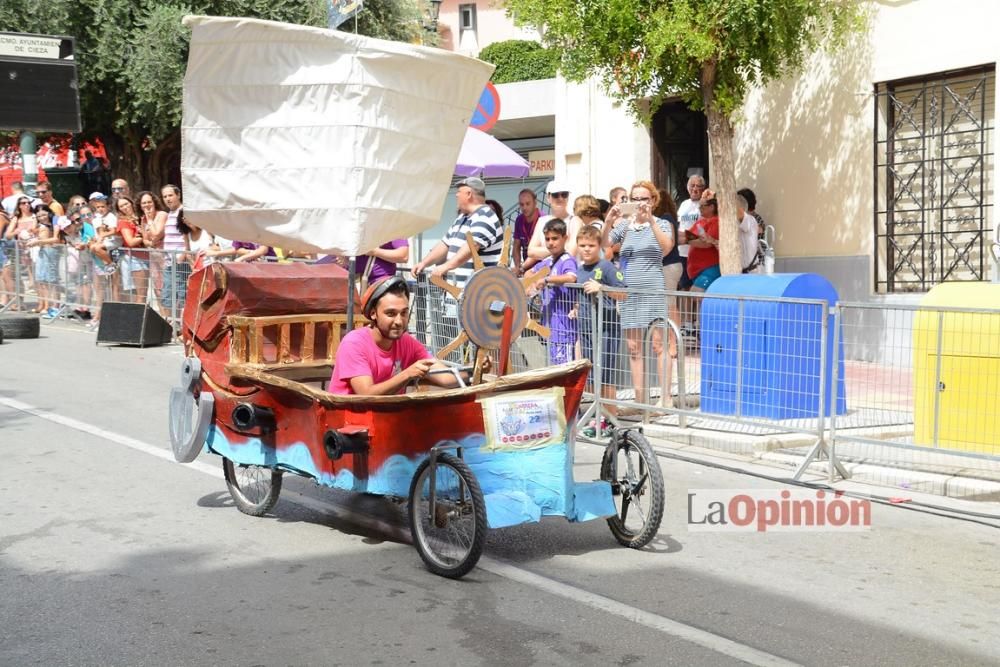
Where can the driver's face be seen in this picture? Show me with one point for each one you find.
(392, 315)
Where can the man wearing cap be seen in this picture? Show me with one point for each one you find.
(557, 196)
(382, 358)
(452, 253)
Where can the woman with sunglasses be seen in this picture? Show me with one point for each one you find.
(645, 240)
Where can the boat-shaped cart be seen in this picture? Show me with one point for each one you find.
(344, 144)
(262, 342)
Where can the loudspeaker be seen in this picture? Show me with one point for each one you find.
(132, 324)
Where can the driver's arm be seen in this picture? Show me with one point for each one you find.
(446, 380)
(364, 385)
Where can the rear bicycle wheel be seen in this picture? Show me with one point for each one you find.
(631, 467)
(449, 540)
(255, 489)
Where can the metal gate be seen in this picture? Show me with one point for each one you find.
(933, 179)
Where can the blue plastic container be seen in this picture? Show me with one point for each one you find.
(781, 345)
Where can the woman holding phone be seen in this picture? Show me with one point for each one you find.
(645, 240)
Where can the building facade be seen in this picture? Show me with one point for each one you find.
(875, 165)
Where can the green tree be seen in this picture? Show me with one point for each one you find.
(705, 52)
(131, 56)
(520, 60)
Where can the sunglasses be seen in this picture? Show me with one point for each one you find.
(559, 195)
(118, 189)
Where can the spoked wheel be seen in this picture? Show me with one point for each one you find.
(450, 537)
(255, 489)
(636, 486)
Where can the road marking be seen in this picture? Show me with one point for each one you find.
(662, 624)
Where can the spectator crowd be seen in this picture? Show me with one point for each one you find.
(637, 250)
(629, 249)
(123, 247)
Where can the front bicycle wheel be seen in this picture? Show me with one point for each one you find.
(255, 489)
(631, 467)
(450, 537)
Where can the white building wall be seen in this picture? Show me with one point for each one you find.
(805, 145)
(598, 145)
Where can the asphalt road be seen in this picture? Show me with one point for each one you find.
(112, 554)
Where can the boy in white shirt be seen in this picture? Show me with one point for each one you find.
(106, 236)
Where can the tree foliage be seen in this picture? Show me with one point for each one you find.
(659, 48)
(706, 52)
(520, 60)
(131, 56)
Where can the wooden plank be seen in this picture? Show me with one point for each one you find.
(257, 348)
(237, 354)
(284, 343)
(268, 320)
(332, 341)
(477, 371)
(309, 341)
(549, 375)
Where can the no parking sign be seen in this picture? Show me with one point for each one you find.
(487, 109)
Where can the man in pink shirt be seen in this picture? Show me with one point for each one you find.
(383, 358)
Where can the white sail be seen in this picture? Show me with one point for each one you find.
(316, 140)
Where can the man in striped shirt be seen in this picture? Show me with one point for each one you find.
(452, 253)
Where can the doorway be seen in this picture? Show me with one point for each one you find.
(679, 147)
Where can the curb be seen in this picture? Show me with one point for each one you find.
(766, 450)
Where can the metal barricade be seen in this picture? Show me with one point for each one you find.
(922, 388)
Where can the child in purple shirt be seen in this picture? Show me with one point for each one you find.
(557, 299)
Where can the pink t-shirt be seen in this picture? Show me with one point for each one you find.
(358, 355)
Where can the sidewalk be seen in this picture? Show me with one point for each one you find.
(928, 472)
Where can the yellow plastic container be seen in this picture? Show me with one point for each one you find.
(961, 371)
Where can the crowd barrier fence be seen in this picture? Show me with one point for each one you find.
(896, 386)
(61, 281)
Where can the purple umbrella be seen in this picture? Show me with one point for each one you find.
(484, 156)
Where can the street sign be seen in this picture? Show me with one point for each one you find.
(487, 109)
(29, 46)
(38, 83)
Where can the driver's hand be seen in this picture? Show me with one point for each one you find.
(420, 368)
(439, 270)
(417, 269)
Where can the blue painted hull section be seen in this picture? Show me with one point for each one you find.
(519, 487)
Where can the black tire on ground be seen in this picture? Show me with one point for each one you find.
(18, 325)
(451, 542)
(637, 489)
(255, 489)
